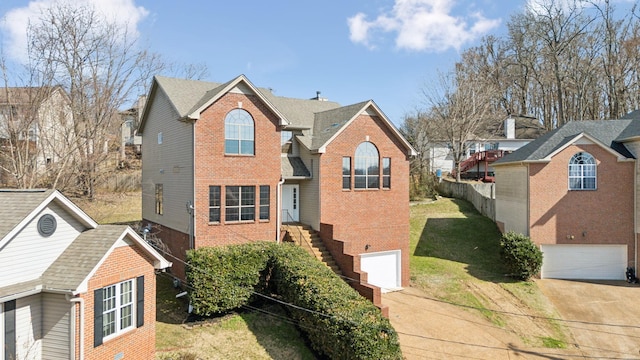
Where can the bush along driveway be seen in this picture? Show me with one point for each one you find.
(461, 303)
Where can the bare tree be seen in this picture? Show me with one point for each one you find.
(461, 104)
(101, 67)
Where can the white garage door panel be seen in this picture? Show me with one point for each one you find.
(589, 262)
(383, 269)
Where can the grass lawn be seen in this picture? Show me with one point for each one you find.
(264, 332)
(455, 257)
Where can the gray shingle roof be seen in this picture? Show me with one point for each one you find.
(81, 257)
(329, 122)
(292, 166)
(185, 94)
(322, 118)
(607, 132)
(17, 205)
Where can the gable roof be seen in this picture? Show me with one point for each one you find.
(21, 206)
(526, 128)
(81, 258)
(72, 270)
(605, 133)
(317, 118)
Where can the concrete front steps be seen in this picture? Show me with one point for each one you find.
(307, 238)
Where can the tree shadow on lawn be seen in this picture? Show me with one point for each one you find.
(471, 239)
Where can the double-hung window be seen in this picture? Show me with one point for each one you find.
(240, 202)
(214, 203)
(386, 173)
(159, 199)
(264, 202)
(118, 308)
(346, 173)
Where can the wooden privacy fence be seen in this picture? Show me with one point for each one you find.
(481, 195)
(122, 182)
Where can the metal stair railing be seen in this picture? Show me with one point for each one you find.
(289, 220)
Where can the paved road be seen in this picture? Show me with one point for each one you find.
(603, 317)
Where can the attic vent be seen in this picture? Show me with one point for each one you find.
(47, 225)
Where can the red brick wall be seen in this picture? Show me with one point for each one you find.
(123, 263)
(379, 218)
(175, 244)
(213, 167)
(603, 216)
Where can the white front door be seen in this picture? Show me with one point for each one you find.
(290, 203)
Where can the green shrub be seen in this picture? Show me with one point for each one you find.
(521, 256)
(224, 278)
(338, 322)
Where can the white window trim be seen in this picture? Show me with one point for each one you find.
(118, 308)
(582, 176)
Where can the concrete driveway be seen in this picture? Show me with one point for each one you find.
(603, 317)
(602, 321)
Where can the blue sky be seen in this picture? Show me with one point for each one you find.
(351, 50)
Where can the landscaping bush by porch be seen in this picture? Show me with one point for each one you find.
(338, 322)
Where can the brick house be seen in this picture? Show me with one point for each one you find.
(230, 163)
(574, 192)
(70, 288)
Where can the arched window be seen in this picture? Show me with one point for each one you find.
(367, 167)
(238, 133)
(582, 172)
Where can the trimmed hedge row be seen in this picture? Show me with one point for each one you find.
(338, 322)
(224, 278)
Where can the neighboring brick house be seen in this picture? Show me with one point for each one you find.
(70, 288)
(574, 192)
(229, 163)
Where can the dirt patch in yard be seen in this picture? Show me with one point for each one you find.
(434, 329)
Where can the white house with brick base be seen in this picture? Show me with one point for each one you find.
(70, 288)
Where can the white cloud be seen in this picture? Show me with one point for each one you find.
(422, 25)
(15, 22)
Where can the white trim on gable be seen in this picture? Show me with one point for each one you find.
(586, 139)
(236, 86)
(73, 209)
(370, 108)
(127, 236)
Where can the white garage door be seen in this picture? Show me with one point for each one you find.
(588, 262)
(383, 269)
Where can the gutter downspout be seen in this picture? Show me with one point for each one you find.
(279, 210)
(192, 212)
(80, 301)
(635, 219)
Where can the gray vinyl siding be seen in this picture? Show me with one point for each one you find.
(169, 164)
(512, 187)
(29, 254)
(56, 327)
(310, 191)
(29, 328)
